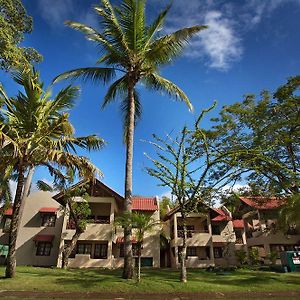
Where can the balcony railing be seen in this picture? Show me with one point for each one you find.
(190, 233)
(91, 220)
(239, 241)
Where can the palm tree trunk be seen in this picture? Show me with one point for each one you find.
(68, 249)
(128, 261)
(14, 227)
(183, 274)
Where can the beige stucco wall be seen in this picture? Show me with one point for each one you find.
(30, 226)
(108, 232)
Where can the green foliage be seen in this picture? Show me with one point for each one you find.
(141, 222)
(82, 211)
(254, 256)
(14, 23)
(134, 50)
(241, 256)
(269, 130)
(35, 130)
(164, 203)
(272, 256)
(186, 165)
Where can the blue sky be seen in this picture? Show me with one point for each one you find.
(249, 46)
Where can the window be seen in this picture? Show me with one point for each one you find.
(218, 252)
(191, 251)
(43, 249)
(100, 251)
(216, 230)
(84, 249)
(48, 220)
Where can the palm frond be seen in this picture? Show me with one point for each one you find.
(154, 28)
(168, 47)
(93, 74)
(158, 83)
(116, 89)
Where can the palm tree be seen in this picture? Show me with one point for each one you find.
(142, 223)
(36, 131)
(132, 51)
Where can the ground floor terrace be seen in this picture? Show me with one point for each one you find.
(214, 254)
(108, 254)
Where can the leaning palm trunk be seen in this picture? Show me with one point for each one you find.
(183, 274)
(14, 226)
(69, 248)
(78, 231)
(128, 261)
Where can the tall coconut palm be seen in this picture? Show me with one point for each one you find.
(132, 51)
(36, 131)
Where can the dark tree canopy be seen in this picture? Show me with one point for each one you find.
(14, 23)
(269, 131)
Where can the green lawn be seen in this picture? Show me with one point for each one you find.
(163, 280)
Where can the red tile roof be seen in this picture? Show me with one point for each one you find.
(48, 210)
(263, 202)
(222, 215)
(43, 238)
(221, 218)
(120, 240)
(8, 212)
(142, 203)
(238, 224)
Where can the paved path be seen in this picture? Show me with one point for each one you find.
(141, 295)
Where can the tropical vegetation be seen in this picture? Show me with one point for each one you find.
(36, 131)
(131, 51)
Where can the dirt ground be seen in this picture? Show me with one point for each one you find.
(140, 295)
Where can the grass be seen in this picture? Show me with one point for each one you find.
(153, 280)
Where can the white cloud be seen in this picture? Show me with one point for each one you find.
(222, 44)
(55, 12)
(220, 41)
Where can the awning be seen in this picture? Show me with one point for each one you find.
(120, 240)
(239, 224)
(48, 210)
(43, 238)
(8, 212)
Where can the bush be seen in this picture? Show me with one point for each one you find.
(241, 256)
(254, 256)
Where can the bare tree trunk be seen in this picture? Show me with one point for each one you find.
(68, 249)
(139, 268)
(128, 261)
(183, 274)
(14, 226)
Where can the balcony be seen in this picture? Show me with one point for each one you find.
(190, 233)
(194, 238)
